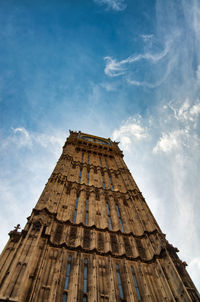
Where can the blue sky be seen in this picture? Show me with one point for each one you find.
(129, 70)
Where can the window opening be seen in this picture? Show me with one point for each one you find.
(76, 208)
(87, 212)
(65, 297)
(104, 186)
(85, 277)
(67, 277)
(88, 177)
(109, 218)
(119, 216)
(100, 161)
(111, 182)
(79, 180)
(136, 283)
(88, 159)
(69, 187)
(82, 157)
(121, 292)
(97, 194)
(106, 163)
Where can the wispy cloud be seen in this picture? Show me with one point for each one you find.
(184, 119)
(116, 68)
(22, 138)
(117, 5)
(147, 38)
(127, 67)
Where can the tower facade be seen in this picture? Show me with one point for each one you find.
(91, 237)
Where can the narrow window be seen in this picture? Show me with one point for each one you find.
(111, 182)
(136, 284)
(69, 188)
(97, 194)
(100, 161)
(88, 159)
(104, 186)
(85, 279)
(87, 212)
(88, 177)
(106, 163)
(67, 276)
(79, 180)
(65, 296)
(82, 157)
(119, 216)
(76, 208)
(121, 292)
(109, 218)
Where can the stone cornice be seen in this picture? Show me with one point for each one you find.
(91, 227)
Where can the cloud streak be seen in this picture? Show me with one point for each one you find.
(126, 67)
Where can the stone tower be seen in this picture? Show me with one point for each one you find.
(91, 237)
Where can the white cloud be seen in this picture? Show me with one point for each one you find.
(117, 5)
(187, 112)
(130, 131)
(184, 118)
(168, 142)
(113, 68)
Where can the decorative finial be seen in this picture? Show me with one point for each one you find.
(17, 227)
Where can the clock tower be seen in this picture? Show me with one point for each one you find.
(91, 237)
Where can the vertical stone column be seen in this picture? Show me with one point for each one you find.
(92, 209)
(91, 179)
(113, 214)
(84, 175)
(107, 180)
